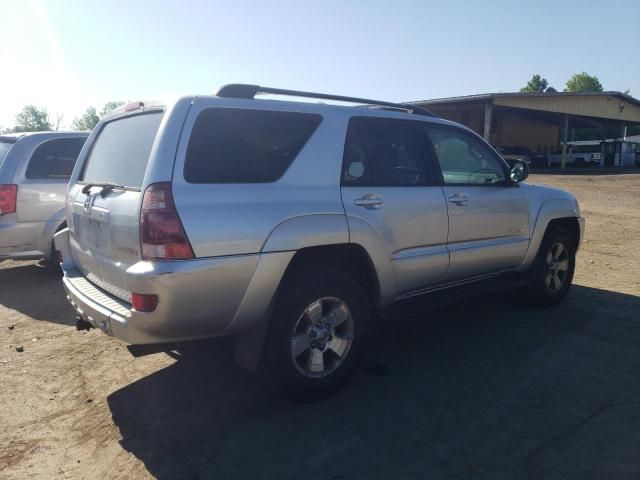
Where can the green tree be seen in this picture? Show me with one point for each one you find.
(32, 119)
(109, 107)
(583, 82)
(87, 121)
(537, 84)
(90, 119)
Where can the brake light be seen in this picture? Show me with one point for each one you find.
(8, 195)
(144, 302)
(130, 107)
(161, 233)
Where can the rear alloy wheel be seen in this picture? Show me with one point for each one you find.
(552, 273)
(322, 337)
(316, 332)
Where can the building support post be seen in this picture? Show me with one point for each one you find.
(603, 143)
(623, 133)
(565, 134)
(488, 111)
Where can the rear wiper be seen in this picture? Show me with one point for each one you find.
(106, 187)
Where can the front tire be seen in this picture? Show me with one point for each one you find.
(317, 332)
(552, 272)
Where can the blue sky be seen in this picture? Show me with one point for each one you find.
(68, 54)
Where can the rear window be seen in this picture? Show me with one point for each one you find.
(4, 149)
(245, 146)
(55, 159)
(121, 152)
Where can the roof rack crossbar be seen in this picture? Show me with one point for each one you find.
(240, 90)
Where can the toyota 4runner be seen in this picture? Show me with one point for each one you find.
(286, 224)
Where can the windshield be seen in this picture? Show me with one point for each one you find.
(4, 149)
(121, 152)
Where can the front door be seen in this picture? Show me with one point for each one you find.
(488, 214)
(386, 184)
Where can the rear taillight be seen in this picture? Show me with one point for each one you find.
(8, 195)
(161, 232)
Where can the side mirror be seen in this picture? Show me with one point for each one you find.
(519, 170)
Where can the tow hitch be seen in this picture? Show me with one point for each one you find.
(82, 324)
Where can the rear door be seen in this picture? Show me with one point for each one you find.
(488, 214)
(44, 182)
(387, 184)
(104, 224)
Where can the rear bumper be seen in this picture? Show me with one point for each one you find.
(197, 299)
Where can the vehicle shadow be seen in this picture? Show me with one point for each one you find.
(35, 291)
(487, 388)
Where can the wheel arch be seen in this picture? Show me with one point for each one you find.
(56, 222)
(558, 212)
(253, 318)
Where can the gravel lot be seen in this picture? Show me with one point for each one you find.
(488, 388)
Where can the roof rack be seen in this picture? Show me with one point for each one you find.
(241, 90)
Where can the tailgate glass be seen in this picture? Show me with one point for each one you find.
(121, 151)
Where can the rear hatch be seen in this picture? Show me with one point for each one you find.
(103, 209)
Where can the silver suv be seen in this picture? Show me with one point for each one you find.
(287, 223)
(34, 171)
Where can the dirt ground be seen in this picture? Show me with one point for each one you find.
(487, 388)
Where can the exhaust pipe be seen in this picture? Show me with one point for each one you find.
(82, 324)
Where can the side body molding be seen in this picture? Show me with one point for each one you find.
(549, 210)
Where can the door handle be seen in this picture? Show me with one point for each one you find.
(369, 201)
(459, 199)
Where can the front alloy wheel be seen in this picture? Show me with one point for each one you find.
(556, 267)
(552, 272)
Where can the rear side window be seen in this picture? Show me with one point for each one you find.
(383, 152)
(230, 145)
(55, 159)
(121, 152)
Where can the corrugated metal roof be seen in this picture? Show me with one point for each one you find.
(488, 96)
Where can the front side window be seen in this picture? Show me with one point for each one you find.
(54, 159)
(232, 145)
(383, 152)
(463, 159)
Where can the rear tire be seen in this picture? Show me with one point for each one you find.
(317, 332)
(552, 272)
(52, 263)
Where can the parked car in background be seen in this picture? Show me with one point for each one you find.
(578, 156)
(287, 223)
(524, 154)
(34, 171)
